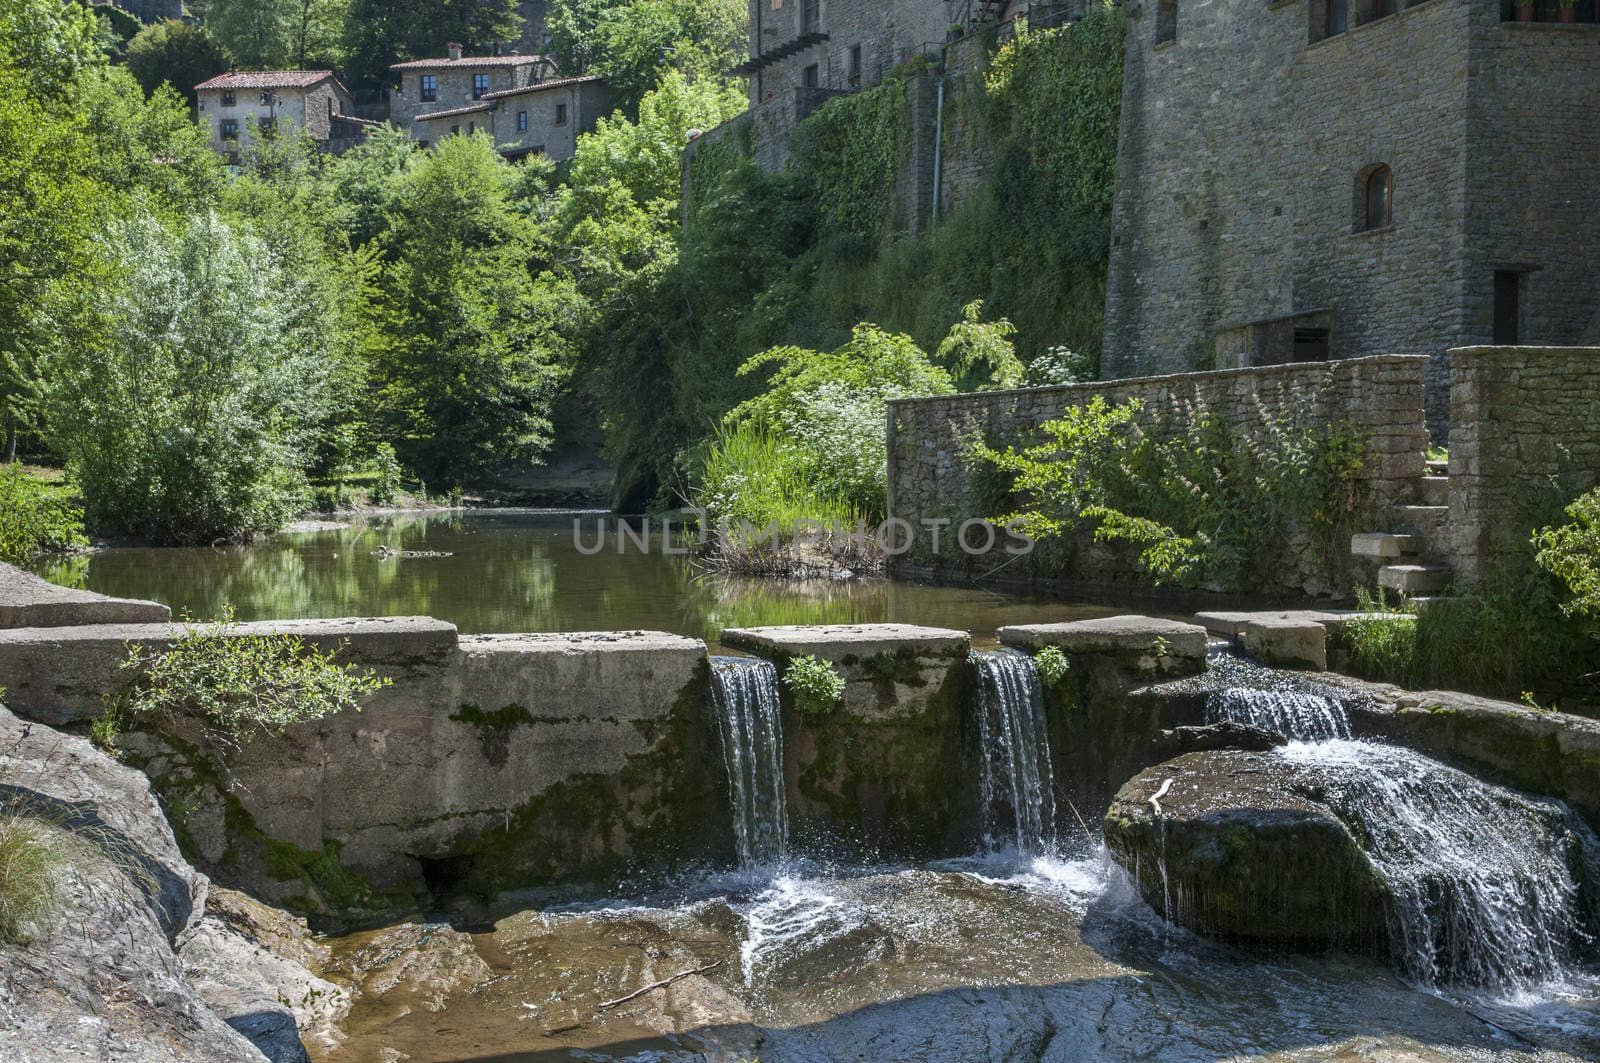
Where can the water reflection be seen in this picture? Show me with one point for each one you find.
(517, 570)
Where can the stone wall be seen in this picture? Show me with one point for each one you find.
(489, 761)
(932, 478)
(1244, 144)
(1526, 440)
(887, 32)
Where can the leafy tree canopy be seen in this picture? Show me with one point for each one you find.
(176, 53)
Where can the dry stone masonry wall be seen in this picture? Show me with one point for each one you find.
(933, 475)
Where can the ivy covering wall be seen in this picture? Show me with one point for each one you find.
(803, 256)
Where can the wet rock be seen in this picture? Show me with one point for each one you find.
(131, 965)
(100, 978)
(1228, 734)
(252, 964)
(424, 962)
(1239, 847)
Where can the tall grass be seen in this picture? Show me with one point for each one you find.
(30, 863)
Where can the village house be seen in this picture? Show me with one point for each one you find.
(239, 105)
(1315, 179)
(516, 99)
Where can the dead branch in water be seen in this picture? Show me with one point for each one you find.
(657, 985)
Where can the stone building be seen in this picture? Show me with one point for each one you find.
(1310, 179)
(428, 86)
(541, 118)
(234, 104)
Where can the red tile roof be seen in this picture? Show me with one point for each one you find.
(268, 79)
(538, 86)
(467, 61)
(474, 109)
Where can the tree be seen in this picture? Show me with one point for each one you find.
(472, 348)
(633, 44)
(176, 53)
(381, 32)
(190, 420)
(256, 32)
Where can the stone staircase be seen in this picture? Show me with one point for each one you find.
(1407, 558)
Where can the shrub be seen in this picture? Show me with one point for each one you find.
(1571, 553)
(30, 865)
(240, 685)
(817, 685)
(386, 489)
(194, 420)
(1052, 664)
(35, 517)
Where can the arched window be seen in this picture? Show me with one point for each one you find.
(1377, 199)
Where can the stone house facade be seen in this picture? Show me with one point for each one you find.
(1311, 179)
(542, 118)
(233, 105)
(428, 86)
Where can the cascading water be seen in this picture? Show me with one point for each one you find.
(1016, 782)
(1482, 879)
(745, 697)
(1295, 714)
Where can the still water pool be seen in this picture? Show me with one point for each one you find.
(519, 570)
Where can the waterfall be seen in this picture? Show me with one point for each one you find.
(1485, 894)
(744, 693)
(1295, 714)
(1016, 782)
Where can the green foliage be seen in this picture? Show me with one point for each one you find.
(1571, 553)
(35, 517)
(280, 34)
(817, 686)
(471, 349)
(377, 33)
(754, 475)
(386, 488)
(190, 420)
(1202, 504)
(177, 53)
(636, 44)
(1500, 638)
(30, 865)
(240, 685)
(1053, 665)
(980, 354)
(849, 152)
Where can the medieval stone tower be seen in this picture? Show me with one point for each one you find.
(1305, 179)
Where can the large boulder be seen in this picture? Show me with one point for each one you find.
(98, 974)
(1239, 847)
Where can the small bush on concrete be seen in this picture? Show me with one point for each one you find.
(240, 685)
(1052, 664)
(817, 685)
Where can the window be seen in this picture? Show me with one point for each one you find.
(1311, 344)
(480, 85)
(855, 67)
(1507, 308)
(266, 98)
(522, 121)
(1336, 15)
(472, 127)
(561, 114)
(813, 76)
(1376, 9)
(267, 126)
(454, 130)
(1377, 199)
(810, 16)
(230, 129)
(430, 87)
(1166, 21)
(228, 99)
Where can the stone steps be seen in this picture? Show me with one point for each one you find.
(1435, 491)
(1415, 580)
(1425, 521)
(1385, 545)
